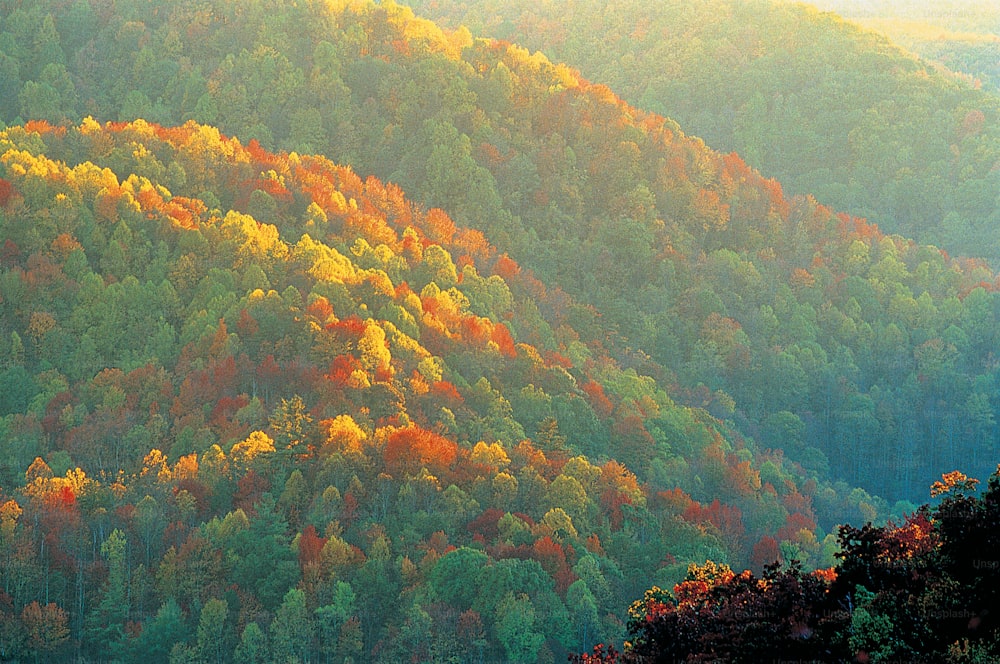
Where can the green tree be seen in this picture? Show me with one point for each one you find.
(105, 632)
(252, 648)
(292, 630)
(40, 101)
(261, 556)
(515, 626)
(150, 522)
(583, 615)
(331, 619)
(161, 633)
(453, 578)
(212, 633)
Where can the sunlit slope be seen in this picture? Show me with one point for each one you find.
(266, 386)
(861, 356)
(825, 106)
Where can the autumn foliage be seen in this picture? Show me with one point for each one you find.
(929, 583)
(255, 406)
(412, 448)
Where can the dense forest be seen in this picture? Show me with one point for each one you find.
(330, 335)
(818, 103)
(813, 333)
(276, 365)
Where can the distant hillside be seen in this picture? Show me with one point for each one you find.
(963, 15)
(527, 350)
(822, 105)
(963, 35)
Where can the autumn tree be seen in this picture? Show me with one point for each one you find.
(47, 627)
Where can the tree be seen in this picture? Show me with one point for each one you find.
(567, 493)
(41, 101)
(256, 446)
(212, 633)
(453, 578)
(262, 559)
(293, 498)
(415, 636)
(292, 629)
(548, 437)
(787, 612)
(332, 618)
(161, 633)
(409, 449)
(106, 624)
(515, 626)
(374, 349)
(252, 648)
(351, 641)
(917, 591)
(149, 522)
(47, 627)
(583, 613)
(292, 426)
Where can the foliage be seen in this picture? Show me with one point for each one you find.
(734, 297)
(267, 463)
(822, 105)
(255, 394)
(922, 591)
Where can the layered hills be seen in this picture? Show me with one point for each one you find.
(963, 36)
(815, 333)
(256, 406)
(824, 106)
(525, 350)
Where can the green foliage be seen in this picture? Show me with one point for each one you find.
(253, 645)
(454, 577)
(161, 632)
(516, 628)
(292, 629)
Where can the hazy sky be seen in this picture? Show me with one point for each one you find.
(966, 14)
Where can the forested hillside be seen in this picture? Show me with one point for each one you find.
(824, 106)
(526, 351)
(252, 404)
(813, 332)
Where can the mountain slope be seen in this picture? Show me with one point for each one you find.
(813, 332)
(274, 365)
(963, 36)
(308, 348)
(822, 105)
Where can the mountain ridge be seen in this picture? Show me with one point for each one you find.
(821, 104)
(679, 232)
